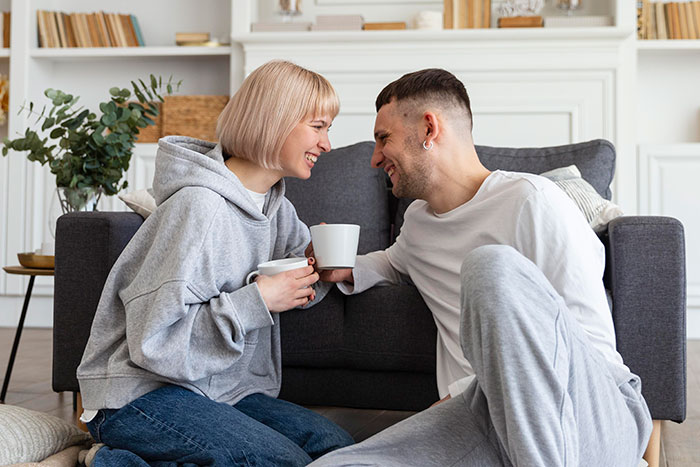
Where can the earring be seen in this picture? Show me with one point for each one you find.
(428, 148)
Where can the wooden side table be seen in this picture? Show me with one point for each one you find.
(25, 272)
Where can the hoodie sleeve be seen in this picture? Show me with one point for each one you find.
(297, 237)
(173, 327)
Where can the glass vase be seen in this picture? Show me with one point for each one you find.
(78, 199)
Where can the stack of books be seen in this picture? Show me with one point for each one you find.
(5, 29)
(466, 14)
(58, 29)
(191, 38)
(338, 23)
(668, 20)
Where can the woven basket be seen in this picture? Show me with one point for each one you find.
(193, 116)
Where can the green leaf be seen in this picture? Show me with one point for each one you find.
(57, 132)
(48, 123)
(114, 91)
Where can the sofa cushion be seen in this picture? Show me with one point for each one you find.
(595, 160)
(344, 189)
(399, 335)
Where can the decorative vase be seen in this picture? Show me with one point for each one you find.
(72, 200)
(78, 199)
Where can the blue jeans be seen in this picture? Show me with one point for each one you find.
(174, 426)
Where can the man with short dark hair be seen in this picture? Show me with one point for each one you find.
(526, 359)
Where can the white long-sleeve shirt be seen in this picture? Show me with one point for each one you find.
(527, 212)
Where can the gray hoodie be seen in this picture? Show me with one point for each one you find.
(175, 308)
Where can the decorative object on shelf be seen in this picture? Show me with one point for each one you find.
(521, 8)
(520, 22)
(193, 116)
(4, 97)
(384, 26)
(290, 7)
(195, 39)
(84, 151)
(466, 14)
(99, 29)
(569, 5)
(428, 19)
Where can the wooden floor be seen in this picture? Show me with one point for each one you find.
(30, 387)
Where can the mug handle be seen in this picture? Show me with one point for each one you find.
(250, 276)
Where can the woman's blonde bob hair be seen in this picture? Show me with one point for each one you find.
(272, 100)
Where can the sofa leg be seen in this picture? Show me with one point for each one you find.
(79, 412)
(653, 452)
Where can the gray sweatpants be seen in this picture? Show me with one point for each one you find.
(543, 396)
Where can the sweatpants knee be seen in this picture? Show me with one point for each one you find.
(488, 267)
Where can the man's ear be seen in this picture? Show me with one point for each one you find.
(432, 127)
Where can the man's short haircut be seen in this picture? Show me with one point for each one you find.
(432, 85)
(272, 100)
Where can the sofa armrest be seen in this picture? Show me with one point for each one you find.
(87, 245)
(646, 274)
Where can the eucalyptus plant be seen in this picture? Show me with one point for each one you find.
(82, 149)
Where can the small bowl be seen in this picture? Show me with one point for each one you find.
(31, 260)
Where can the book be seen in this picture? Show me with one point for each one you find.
(61, 29)
(577, 21)
(520, 22)
(696, 14)
(465, 14)
(93, 31)
(384, 26)
(102, 29)
(183, 37)
(447, 14)
(690, 20)
(487, 14)
(41, 29)
(137, 30)
(113, 40)
(660, 21)
(6, 22)
(129, 31)
(55, 41)
(118, 29)
(681, 19)
(70, 32)
(83, 30)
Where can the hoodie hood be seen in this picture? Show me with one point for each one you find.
(183, 162)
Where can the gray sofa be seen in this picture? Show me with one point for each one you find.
(377, 349)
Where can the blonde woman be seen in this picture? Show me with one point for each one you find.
(183, 362)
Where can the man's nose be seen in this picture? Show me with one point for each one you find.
(377, 158)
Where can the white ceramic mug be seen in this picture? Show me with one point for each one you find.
(335, 245)
(276, 266)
